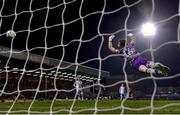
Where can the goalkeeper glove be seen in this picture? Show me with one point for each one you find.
(111, 38)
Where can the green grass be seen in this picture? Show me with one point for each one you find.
(88, 107)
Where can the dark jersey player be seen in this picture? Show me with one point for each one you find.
(137, 61)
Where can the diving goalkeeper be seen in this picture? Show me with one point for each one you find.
(134, 58)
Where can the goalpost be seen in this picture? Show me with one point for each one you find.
(72, 35)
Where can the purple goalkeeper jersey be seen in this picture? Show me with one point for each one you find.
(130, 51)
(135, 60)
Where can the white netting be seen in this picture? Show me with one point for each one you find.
(77, 31)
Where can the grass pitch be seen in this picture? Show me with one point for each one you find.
(88, 107)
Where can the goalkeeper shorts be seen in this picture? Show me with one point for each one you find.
(138, 61)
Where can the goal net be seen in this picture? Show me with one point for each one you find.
(62, 42)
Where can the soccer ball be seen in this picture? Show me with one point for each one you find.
(10, 34)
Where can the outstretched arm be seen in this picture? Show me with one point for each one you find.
(110, 45)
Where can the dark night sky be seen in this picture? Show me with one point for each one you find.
(36, 22)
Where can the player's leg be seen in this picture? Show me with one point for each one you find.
(145, 69)
(140, 63)
(155, 64)
(145, 66)
(160, 68)
(121, 97)
(77, 93)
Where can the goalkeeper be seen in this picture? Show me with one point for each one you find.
(134, 58)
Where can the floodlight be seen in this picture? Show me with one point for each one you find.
(148, 29)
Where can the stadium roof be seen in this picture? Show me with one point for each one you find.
(60, 69)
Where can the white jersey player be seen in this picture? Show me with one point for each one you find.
(122, 91)
(79, 91)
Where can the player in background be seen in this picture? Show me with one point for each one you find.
(122, 91)
(127, 48)
(79, 92)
